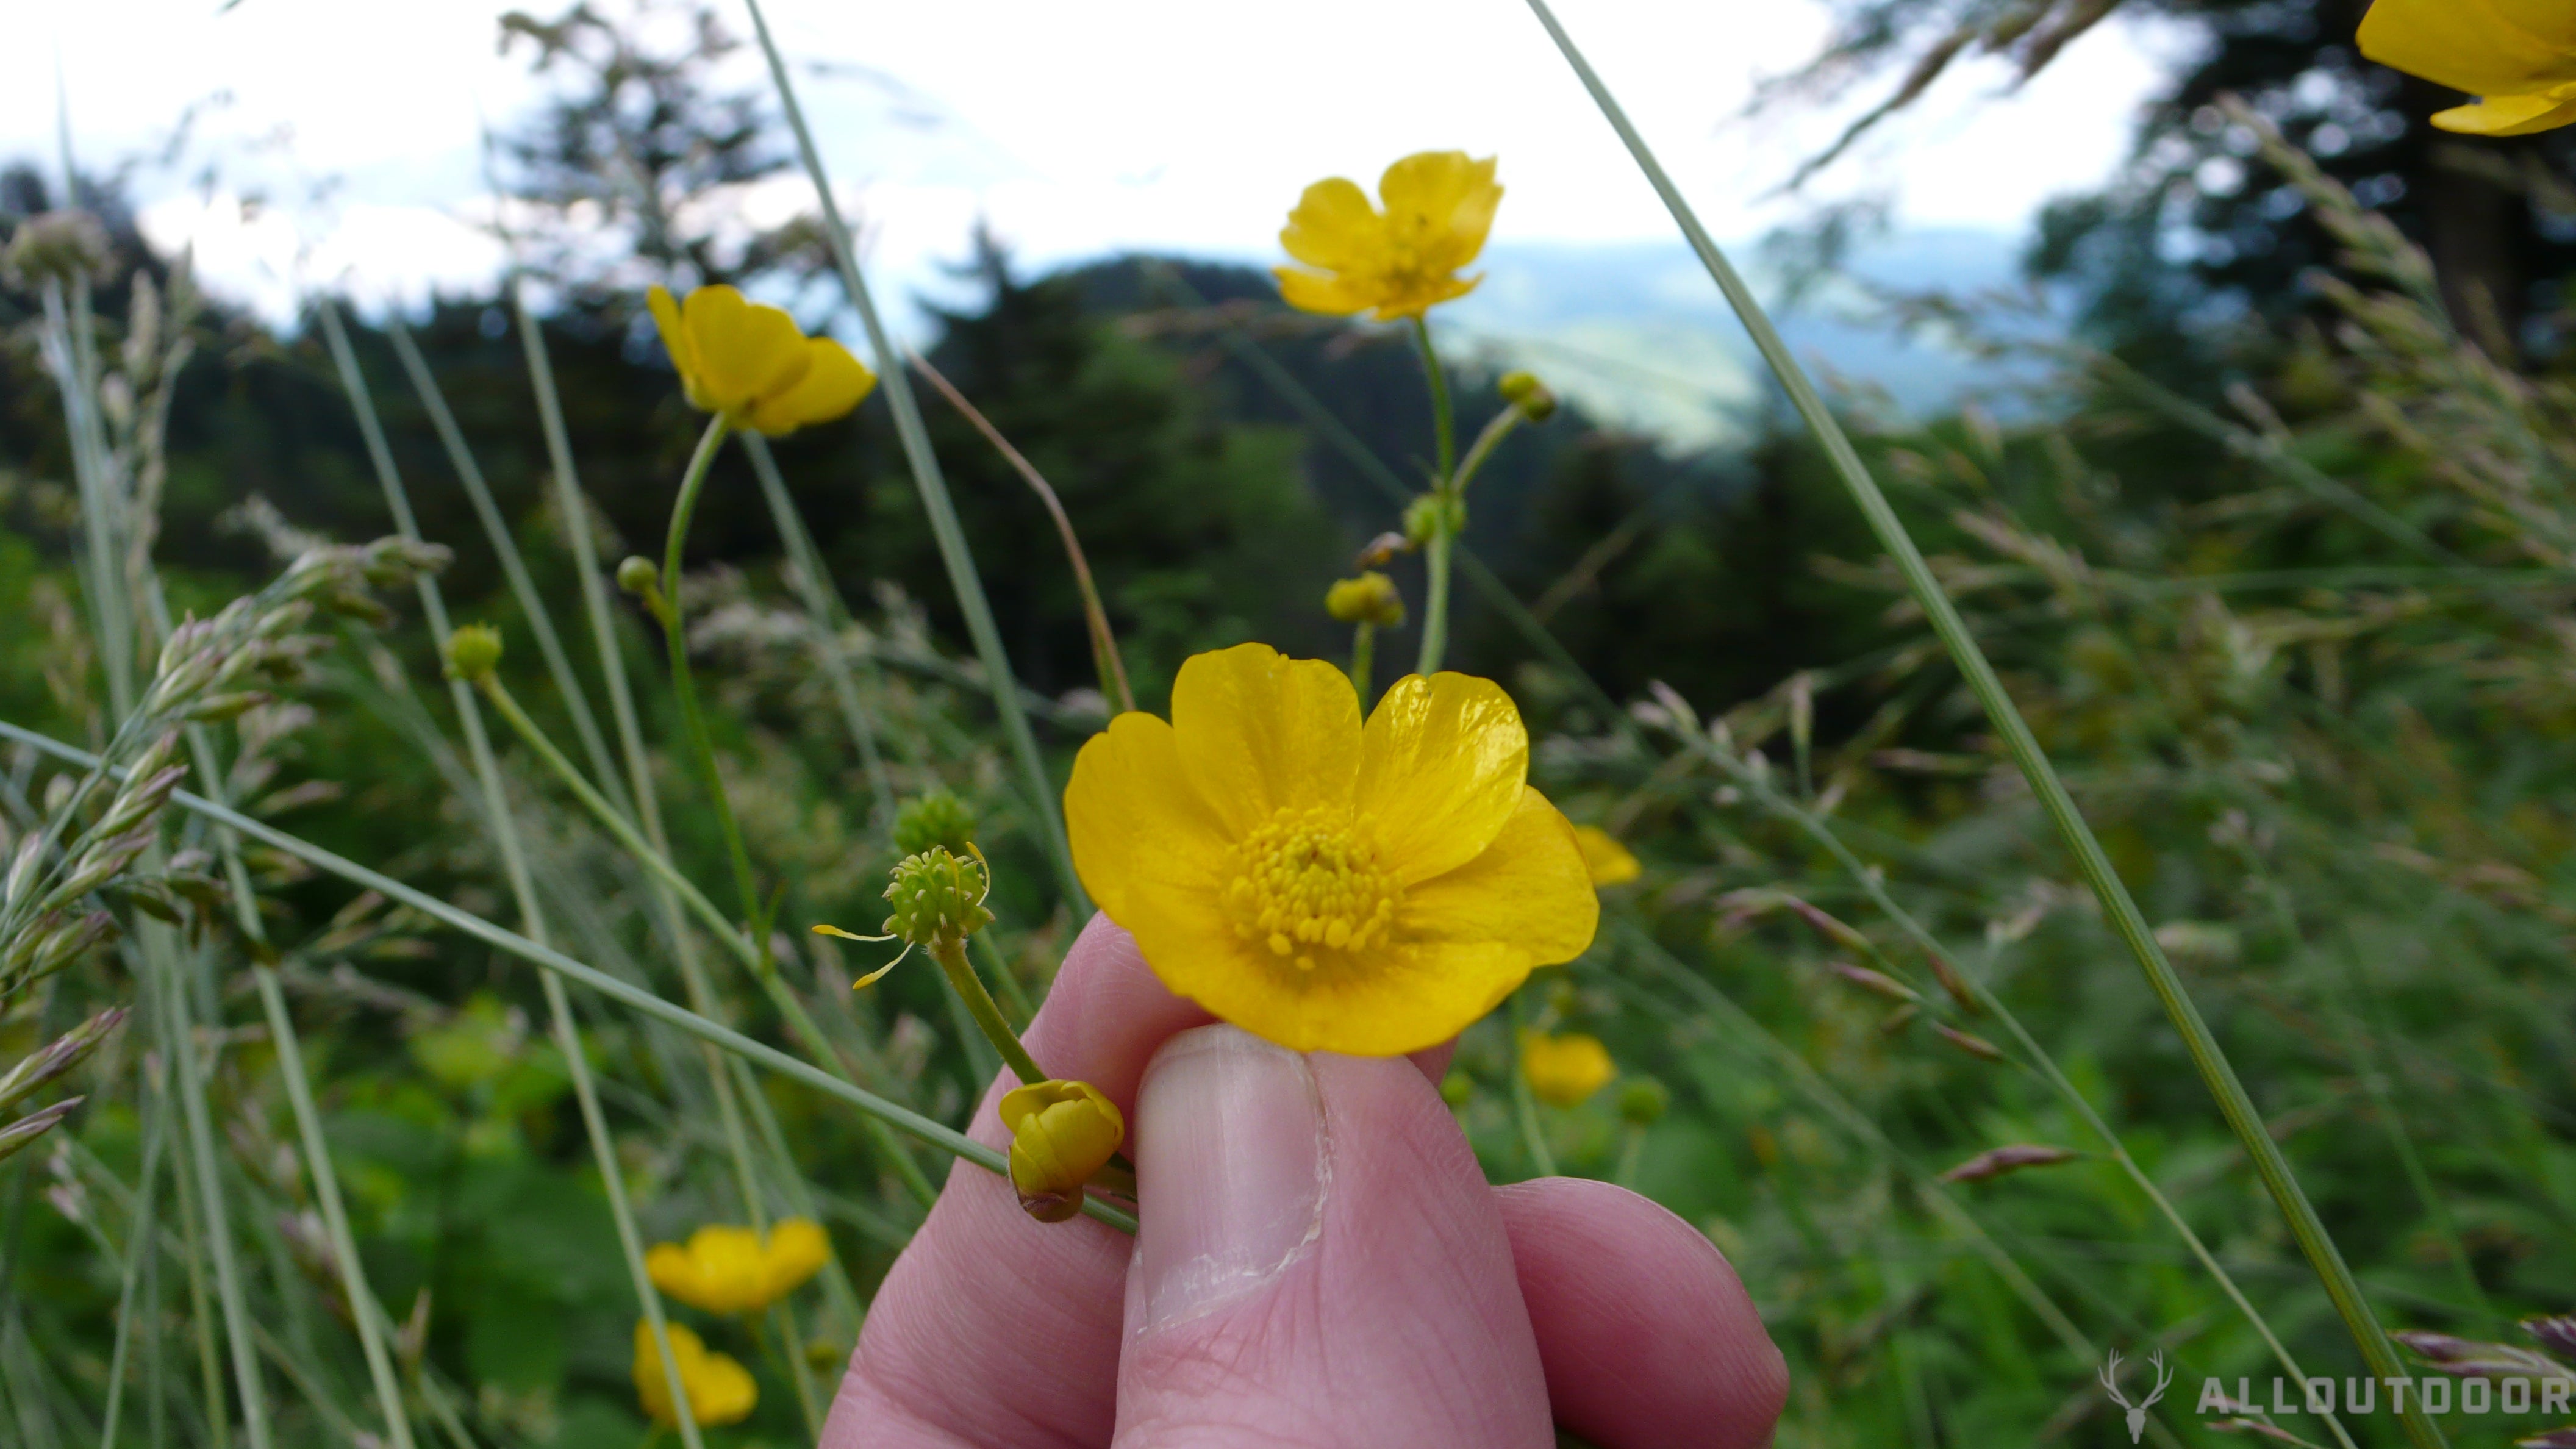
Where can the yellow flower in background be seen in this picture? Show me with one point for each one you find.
(720, 1390)
(1565, 1070)
(1329, 885)
(1609, 861)
(1061, 1133)
(1397, 262)
(735, 1270)
(2518, 55)
(752, 363)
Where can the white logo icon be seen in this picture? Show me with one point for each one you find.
(2110, 1377)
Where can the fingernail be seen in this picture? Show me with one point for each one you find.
(1230, 1169)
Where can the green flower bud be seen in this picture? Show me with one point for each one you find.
(1642, 1101)
(1523, 390)
(1430, 514)
(1457, 1089)
(938, 899)
(637, 576)
(1369, 599)
(57, 245)
(1061, 1133)
(938, 818)
(472, 652)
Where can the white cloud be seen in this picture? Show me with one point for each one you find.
(1075, 130)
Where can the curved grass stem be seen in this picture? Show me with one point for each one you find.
(2209, 1059)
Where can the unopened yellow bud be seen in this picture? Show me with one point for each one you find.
(938, 899)
(472, 652)
(1369, 599)
(1061, 1133)
(1523, 390)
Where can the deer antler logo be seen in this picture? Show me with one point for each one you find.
(2110, 1376)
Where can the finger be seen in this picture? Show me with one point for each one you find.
(1647, 1336)
(1320, 1262)
(992, 1328)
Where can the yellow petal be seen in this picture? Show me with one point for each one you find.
(797, 1250)
(1331, 296)
(669, 1267)
(1416, 300)
(722, 1391)
(2510, 115)
(1609, 861)
(2485, 47)
(1401, 999)
(1442, 765)
(1529, 890)
(1334, 227)
(1444, 202)
(834, 382)
(1259, 732)
(1565, 1070)
(675, 338)
(1137, 828)
(745, 351)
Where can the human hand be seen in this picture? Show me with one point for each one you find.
(1321, 1262)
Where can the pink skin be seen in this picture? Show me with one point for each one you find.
(1380, 1292)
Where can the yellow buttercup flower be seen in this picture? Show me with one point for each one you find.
(1397, 262)
(1061, 1133)
(1610, 862)
(752, 363)
(735, 1270)
(2518, 55)
(1565, 1070)
(1329, 885)
(720, 1390)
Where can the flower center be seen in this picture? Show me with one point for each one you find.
(1306, 879)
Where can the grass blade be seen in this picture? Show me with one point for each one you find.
(944, 527)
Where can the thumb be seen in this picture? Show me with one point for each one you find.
(1320, 1261)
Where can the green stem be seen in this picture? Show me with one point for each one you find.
(546, 958)
(951, 956)
(1524, 1101)
(1444, 423)
(686, 891)
(684, 683)
(1364, 661)
(1015, 998)
(144, 1226)
(945, 529)
(2217, 1073)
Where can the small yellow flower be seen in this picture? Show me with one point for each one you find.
(720, 1390)
(1565, 1070)
(752, 363)
(734, 1270)
(2519, 55)
(1061, 1133)
(1331, 886)
(1609, 861)
(1398, 262)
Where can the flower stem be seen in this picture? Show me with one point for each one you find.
(2127, 922)
(951, 956)
(1363, 660)
(1435, 605)
(684, 684)
(687, 892)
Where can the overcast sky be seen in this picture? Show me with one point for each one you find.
(1175, 124)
